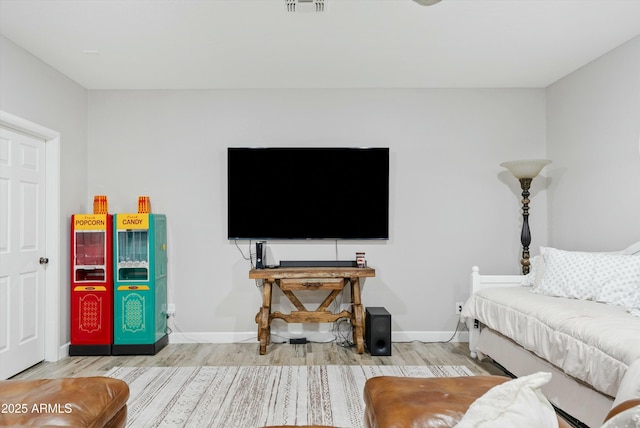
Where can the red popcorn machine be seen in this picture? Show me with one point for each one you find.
(92, 281)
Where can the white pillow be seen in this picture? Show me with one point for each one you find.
(633, 305)
(530, 278)
(618, 278)
(534, 277)
(629, 385)
(568, 274)
(607, 278)
(516, 403)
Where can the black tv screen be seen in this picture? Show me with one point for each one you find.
(308, 193)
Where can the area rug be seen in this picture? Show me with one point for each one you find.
(255, 396)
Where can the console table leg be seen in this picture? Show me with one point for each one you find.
(263, 329)
(264, 318)
(358, 316)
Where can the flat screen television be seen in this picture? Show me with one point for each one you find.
(308, 193)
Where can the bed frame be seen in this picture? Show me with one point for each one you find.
(572, 396)
(479, 282)
(583, 404)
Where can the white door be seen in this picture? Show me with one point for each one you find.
(22, 257)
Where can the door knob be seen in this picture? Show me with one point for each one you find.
(44, 260)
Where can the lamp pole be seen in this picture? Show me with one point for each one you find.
(525, 235)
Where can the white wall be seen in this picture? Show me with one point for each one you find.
(593, 119)
(452, 206)
(32, 90)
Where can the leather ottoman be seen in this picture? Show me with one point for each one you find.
(400, 402)
(69, 402)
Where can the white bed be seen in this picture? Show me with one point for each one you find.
(588, 346)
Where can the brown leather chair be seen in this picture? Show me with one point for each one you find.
(68, 402)
(424, 402)
(622, 407)
(400, 402)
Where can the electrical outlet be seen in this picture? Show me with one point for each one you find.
(459, 307)
(171, 309)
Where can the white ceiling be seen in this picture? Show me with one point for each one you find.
(206, 44)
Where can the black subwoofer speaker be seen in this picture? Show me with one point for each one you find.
(377, 331)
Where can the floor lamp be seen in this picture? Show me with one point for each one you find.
(525, 171)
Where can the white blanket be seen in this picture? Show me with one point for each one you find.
(593, 342)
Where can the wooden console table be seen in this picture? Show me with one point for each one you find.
(290, 280)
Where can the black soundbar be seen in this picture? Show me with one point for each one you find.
(318, 263)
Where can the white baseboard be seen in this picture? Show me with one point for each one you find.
(209, 337)
(63, 351)
(250, 337)
(430, 336)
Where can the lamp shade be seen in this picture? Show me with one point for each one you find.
(526, 168)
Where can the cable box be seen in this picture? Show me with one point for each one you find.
(318, 263)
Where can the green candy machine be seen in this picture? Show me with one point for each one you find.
(140, 284)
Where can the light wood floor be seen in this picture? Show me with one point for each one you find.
(246, 354)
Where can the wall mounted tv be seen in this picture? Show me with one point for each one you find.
(308, 193)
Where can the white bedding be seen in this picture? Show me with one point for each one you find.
(593, 342)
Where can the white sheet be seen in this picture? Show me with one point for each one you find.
(591, 341)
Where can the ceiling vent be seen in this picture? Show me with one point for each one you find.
(427, 2)
(304, 5)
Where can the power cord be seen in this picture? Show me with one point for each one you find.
(259, 282)
(456, 330)
(343, 337)
(235, 241)
(449, 339)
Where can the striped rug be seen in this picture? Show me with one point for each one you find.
(254, 396)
